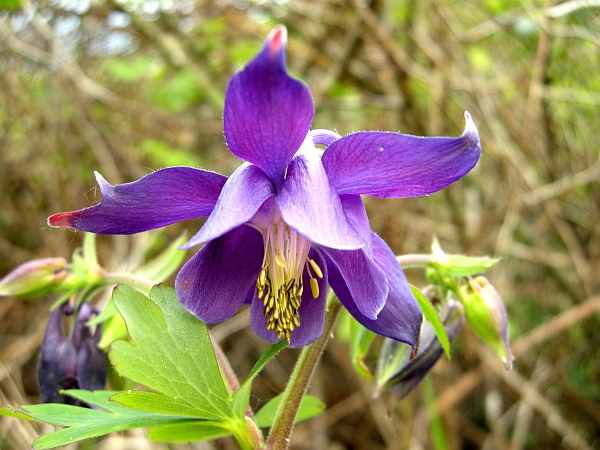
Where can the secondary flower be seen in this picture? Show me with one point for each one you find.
(70, 362)
(395, 368)
(287, 223)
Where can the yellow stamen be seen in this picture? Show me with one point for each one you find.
(279, 261)
(279, 284)
(314, 287)
(315, 267)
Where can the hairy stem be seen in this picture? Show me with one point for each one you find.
(279, 437)
(142, 284)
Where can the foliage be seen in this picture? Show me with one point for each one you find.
(77, 96)
(171, 353)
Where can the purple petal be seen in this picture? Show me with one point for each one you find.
(267, 113)
(310, 205)
(58, 359)
(324, 137)
(401, 317)
(357, 217)
(397, 165)
(358, 278)
(213, 284)
(312, 312)
(155, 200)
(410, 373)
(241, 197)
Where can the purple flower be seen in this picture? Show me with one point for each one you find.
(70, 362)
(287, 222)
(400, 370)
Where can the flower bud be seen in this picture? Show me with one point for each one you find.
(396, 369)
(70, 362)
(486, 314)
(34, 278)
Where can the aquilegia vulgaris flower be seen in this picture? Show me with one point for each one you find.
(287, 223)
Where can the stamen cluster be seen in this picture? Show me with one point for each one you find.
(279, 284)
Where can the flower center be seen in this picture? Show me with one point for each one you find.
(279, 284)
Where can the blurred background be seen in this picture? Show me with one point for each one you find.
(128, 87)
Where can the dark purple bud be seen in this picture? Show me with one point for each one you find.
(73, 362)
(91, 361)
(397, 371)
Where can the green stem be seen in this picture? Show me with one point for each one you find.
(281, 431)
(142, 284)
(233, 385)
(416, 260)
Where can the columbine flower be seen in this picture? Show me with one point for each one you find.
(70, 362)
(395, 368)
(287, 223)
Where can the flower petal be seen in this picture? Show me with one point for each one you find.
(397, 165)
(324, 137)
(312, 311)
(360, 279)
(310, 205)
(267, 113)
(401, 317)
(160, 198)
(357, 217)
(243, 194)
(409, 373)
(213, 284)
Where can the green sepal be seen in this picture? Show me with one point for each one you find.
(458, 265)
(462, 265)
(432, 316)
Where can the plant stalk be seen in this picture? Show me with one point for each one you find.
(137, 282)
(281, 431)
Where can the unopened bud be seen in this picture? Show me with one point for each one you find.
(34, 278)
(399, 370)
(486, 314)
(73, 362)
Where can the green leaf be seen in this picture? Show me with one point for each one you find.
(241, 397)
(432, 316)
(462, 265)
(309, 407)
(7, 411)
(171, 353)
(360, 342)
(155, 402)
(188, 432)
(83, 423)
(161, 267)
(112, 330)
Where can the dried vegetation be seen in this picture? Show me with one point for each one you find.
(128, 87)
